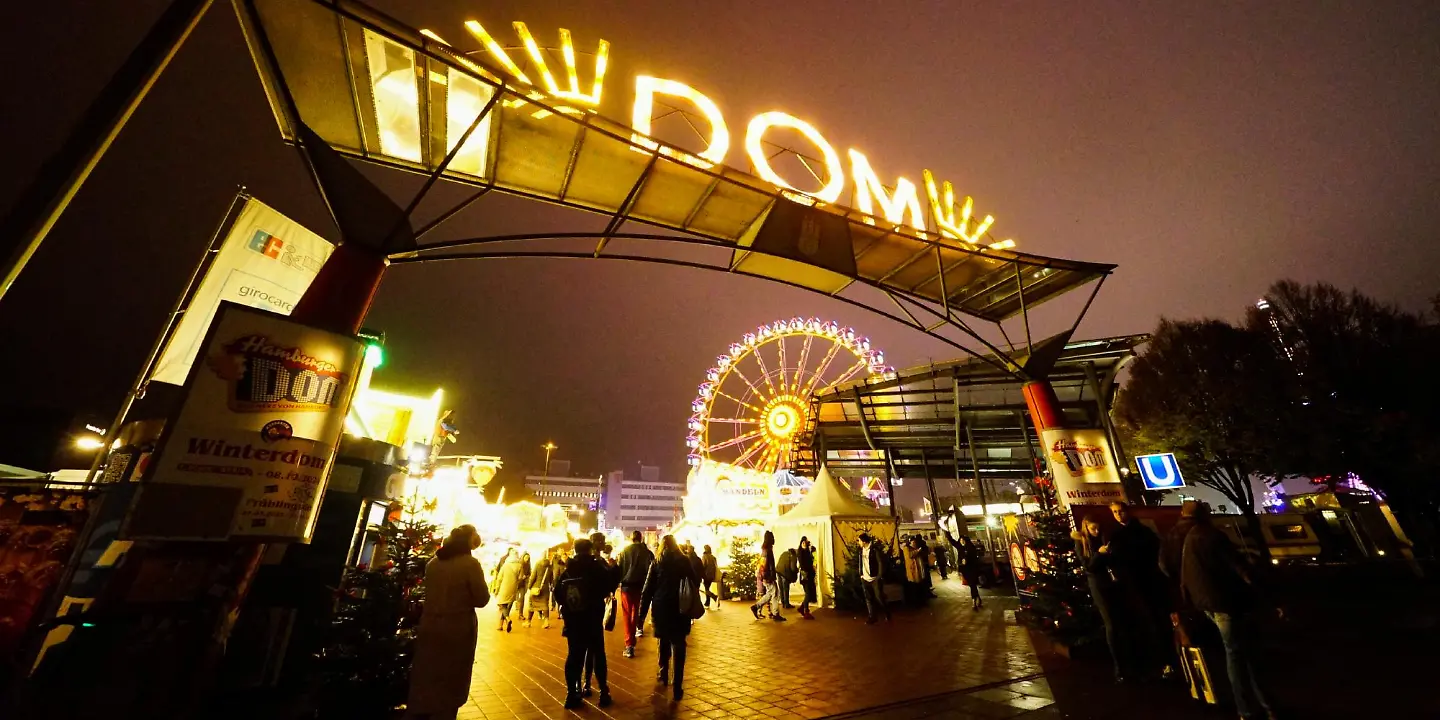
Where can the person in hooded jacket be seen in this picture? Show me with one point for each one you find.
(709, 575)
(787, 572)
(580, 592)
(445, 645)
(509, 580)
(542, 579)
(661, 596)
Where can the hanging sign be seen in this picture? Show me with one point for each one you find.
(266, 261)
(1160, 471)
(257, 431)
(1080, 462)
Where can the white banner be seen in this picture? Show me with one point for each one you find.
(1080, 462)
(263, 413)
(266, 261)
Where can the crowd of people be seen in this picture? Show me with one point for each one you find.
(592, 589)
(1155, 596)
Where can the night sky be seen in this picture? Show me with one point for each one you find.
(1208, 150)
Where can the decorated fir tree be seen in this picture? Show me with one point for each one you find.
(1054, 596)
(740, 576)
(365, 662)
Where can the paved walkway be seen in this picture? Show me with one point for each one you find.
(741, 668)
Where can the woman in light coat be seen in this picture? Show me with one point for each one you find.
(454, 586)
(508, 586)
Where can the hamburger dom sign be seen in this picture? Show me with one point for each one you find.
(518, 112)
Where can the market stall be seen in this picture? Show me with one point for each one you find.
(832, 519)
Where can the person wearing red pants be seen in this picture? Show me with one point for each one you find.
(634, 567)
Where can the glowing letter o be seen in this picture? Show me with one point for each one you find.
(645, 89)
(764, 121)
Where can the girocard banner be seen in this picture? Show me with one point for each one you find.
(266, 261)
(719, 491)
(1081, 463)
(263, 413)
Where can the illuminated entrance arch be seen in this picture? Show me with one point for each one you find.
(407, 99)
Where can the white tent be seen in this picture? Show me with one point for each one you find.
(832, 519)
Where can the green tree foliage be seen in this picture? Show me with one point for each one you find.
(1212, 394)
(740, 576)
(365, 662)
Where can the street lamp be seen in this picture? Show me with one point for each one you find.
(545, 476)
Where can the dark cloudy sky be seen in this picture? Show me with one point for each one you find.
(1208, 148)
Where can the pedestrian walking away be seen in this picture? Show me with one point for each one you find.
(598, 548)
(454, 587)
(580, 592)
(1215, 580)
(766, 588)
(872, 579)
(508, 584)
(971, 565)
(805, 557)
(634, 567)
(787, 572)
(942, 557)
(542, 579)
(695, 562)
(709, 575)
(662, 599)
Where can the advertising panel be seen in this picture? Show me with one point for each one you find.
(719, 491)
(266, 261)
(262, 415)
(1080, 462)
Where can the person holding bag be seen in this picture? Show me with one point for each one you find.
(671, 591)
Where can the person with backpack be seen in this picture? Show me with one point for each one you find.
(580, 592)
(634, 567)
(662, 594)
(787, 571)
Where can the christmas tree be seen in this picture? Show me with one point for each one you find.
(1054, 596)
(365, 663)
(846, 586)
(740, 576)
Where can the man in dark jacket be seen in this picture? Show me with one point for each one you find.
(872, 579)
(634, 566)
(580, 592)
(1135, 557)
(787, 571)
(1215, 580)
(709, 574)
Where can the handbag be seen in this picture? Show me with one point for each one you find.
(610, 615)
(690, 603)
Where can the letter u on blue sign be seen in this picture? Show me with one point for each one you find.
(1160, 472)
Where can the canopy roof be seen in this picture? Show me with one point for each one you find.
(829, 498)
(377, 90)
(915, 420)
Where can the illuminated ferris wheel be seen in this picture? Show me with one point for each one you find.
(755, 400)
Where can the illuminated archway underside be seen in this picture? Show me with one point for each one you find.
(755, 401)
(394, 96)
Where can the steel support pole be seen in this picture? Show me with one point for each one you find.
(984, 502)
(1117, 454)
(32, 217)
(930, 484)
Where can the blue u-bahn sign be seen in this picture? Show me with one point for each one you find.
(1160, 472)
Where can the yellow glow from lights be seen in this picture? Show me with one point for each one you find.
(496, 51)
(835, 180)
(869, 190)
(534, 51)
(645, 89)
(943, 208)
(89, 442)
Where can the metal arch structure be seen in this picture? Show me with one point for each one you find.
(359, 80)
(756, 398)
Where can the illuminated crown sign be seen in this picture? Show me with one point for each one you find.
(572, 93)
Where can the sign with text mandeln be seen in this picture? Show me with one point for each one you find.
(1080, 462)
(259, 426)
(266, 261)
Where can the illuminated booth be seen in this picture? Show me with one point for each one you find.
(724, 502)
(832, 518)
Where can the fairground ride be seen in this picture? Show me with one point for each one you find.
(755, 400)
